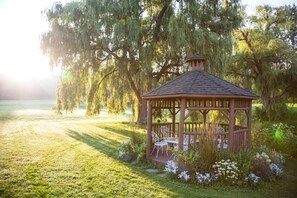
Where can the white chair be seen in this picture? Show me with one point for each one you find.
(165, 133)
(221, 143)
(158, 144)
(221, 139)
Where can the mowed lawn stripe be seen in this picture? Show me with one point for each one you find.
(74, 161)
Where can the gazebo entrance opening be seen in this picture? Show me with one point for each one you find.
(200, 94)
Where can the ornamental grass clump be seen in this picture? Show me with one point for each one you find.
(227, 171)
(207, 148)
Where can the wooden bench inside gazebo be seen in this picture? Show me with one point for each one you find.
(202, 92)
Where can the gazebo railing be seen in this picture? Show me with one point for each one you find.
(156, 127)
(188, 127)
(194, 130)
(192, 138)
(199, 126)
(240, 138)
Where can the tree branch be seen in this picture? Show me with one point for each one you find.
(164, 69)
(106, 75)
(159, 20)
(248, 42)
(129, 77)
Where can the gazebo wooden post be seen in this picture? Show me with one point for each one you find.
(204, 120)
(149, 129)
(181, 124)
(249, 125)
(173, 119)
(231, 125)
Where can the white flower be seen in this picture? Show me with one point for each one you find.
(275, 169)
(171, 167)
(258, 155)
(205, 178)
(183, 175)
(254, 179)
(121, 154)
(281, 159)
(227, 171)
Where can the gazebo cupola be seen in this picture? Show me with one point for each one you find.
(196, 62)
(202, 92)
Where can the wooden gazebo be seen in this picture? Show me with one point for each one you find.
(197, 90)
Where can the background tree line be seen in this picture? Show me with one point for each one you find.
(112, 52)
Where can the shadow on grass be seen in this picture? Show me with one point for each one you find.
(124, 132)
(109, 147)
(101, 143)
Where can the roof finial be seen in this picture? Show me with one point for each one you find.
(196, 62)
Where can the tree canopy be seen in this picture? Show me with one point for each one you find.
(111, 52)
(265, 57)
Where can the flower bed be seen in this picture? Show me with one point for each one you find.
(264, 167)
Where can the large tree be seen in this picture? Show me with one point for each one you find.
(111, 52)
(265, 57)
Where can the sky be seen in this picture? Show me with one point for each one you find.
(21, 25)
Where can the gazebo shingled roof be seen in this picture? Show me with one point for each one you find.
(198, 82)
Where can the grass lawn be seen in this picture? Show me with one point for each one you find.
(44, 155)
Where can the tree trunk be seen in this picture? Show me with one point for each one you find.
(273, 108)
(90, 98)
(142, 112)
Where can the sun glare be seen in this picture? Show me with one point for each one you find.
(21, 26)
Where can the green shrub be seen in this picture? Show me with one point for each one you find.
(264, 159)
(126, 152)
(189, 160)
(279, 137)
(261, 165)
(135, 149)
